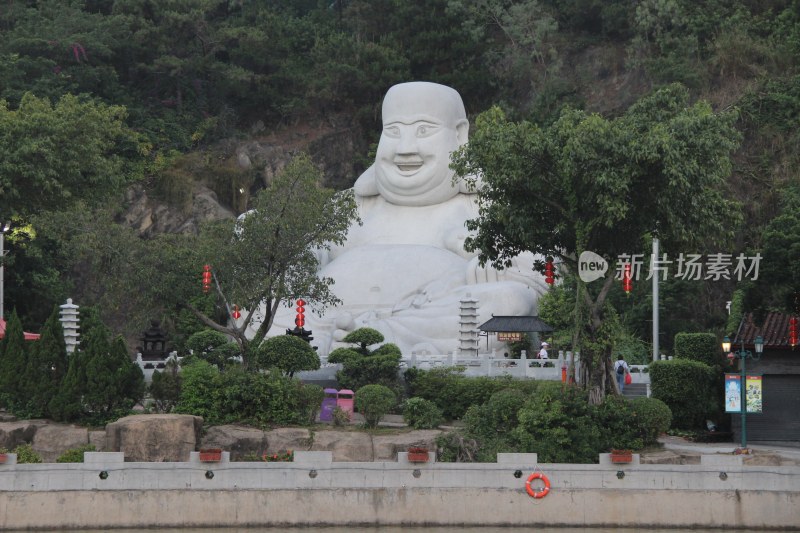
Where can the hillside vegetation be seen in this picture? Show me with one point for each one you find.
(171, 90)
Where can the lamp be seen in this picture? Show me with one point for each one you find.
(743, 355)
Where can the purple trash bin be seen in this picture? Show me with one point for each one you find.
(328, 405)
(345, 401)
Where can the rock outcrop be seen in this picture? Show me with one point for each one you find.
(154, 438)
(12, 434)
(51, 440)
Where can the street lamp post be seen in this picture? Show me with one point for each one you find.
(743, 354)
(3, 229)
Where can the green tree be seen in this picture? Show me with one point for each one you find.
(165, 387)
(373, 402)
(361, 367)
(287, 353)
(13, 359)
(113, 382)
(46, 367)
(212, 346)
(83, 150)
(270, 255)
(586, 183)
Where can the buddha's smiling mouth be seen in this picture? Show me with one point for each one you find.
(408, 166)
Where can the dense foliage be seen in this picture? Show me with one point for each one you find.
(688, 389)
(556, 422)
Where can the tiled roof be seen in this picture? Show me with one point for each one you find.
(774, 331)
(521, 324)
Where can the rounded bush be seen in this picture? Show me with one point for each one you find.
(420, 413)
(653, 418)
(26, 454)
(373, 402)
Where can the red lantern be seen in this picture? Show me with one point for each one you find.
(627, 283)
(793, 331)
(236, 314)
(549, 272)
(300, 321)
(206, 278)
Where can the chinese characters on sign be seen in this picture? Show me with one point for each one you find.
(504, 336)
(695, 267)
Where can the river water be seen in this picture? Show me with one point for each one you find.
(398, 529)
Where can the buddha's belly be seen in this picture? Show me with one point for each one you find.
(384, 275)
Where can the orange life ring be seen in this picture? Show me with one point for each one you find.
(541, 493)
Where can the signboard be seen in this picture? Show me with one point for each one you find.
(754, 396)
(733, 393)
(508, 336)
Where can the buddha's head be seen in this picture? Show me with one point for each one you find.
(422, 124)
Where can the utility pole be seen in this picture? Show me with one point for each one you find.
(656, 348)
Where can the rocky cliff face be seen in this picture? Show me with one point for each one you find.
(217, 183)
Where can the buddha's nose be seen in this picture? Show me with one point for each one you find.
(407, 143)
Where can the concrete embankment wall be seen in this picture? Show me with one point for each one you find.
(106, 492)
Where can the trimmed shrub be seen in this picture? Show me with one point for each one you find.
(616, 422)
(702, 347)
(289, 353)
(652, 418)
(420, 413)
(75, 455)
(454, 393)
(373, 402)
(684, 386)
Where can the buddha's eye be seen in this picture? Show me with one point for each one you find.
(392, 131)
(425, 130)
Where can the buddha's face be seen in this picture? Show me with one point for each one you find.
(422, 124)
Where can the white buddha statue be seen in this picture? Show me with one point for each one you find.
(404, 271)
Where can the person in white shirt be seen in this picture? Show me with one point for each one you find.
(543, 351)
(621, 369)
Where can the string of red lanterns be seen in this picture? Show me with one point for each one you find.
(793, 331)
(206, 278)
(627, 280)
(300, 321)
(549, 272)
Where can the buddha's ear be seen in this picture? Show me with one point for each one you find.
(365, 184)
(462, 131)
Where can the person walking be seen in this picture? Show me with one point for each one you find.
(621, 369)
(543, 351)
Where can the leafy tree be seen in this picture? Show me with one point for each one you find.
(361, 367)
(83, 150)
(212, 346)
(165, 387)
(288, 353)
(46, 367)
(199, 390)
(268, 256)
(13, 359)
(373, 402)
(586, 183)
(364, 337)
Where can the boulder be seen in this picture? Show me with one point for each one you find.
(386, 446)
(156, 438)
(98, 438)
(240, 441)
(345, 445)
(12, 434)
(52, 440)
(282, 439)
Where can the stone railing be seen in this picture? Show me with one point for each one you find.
(487, 364)
(106, 492)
